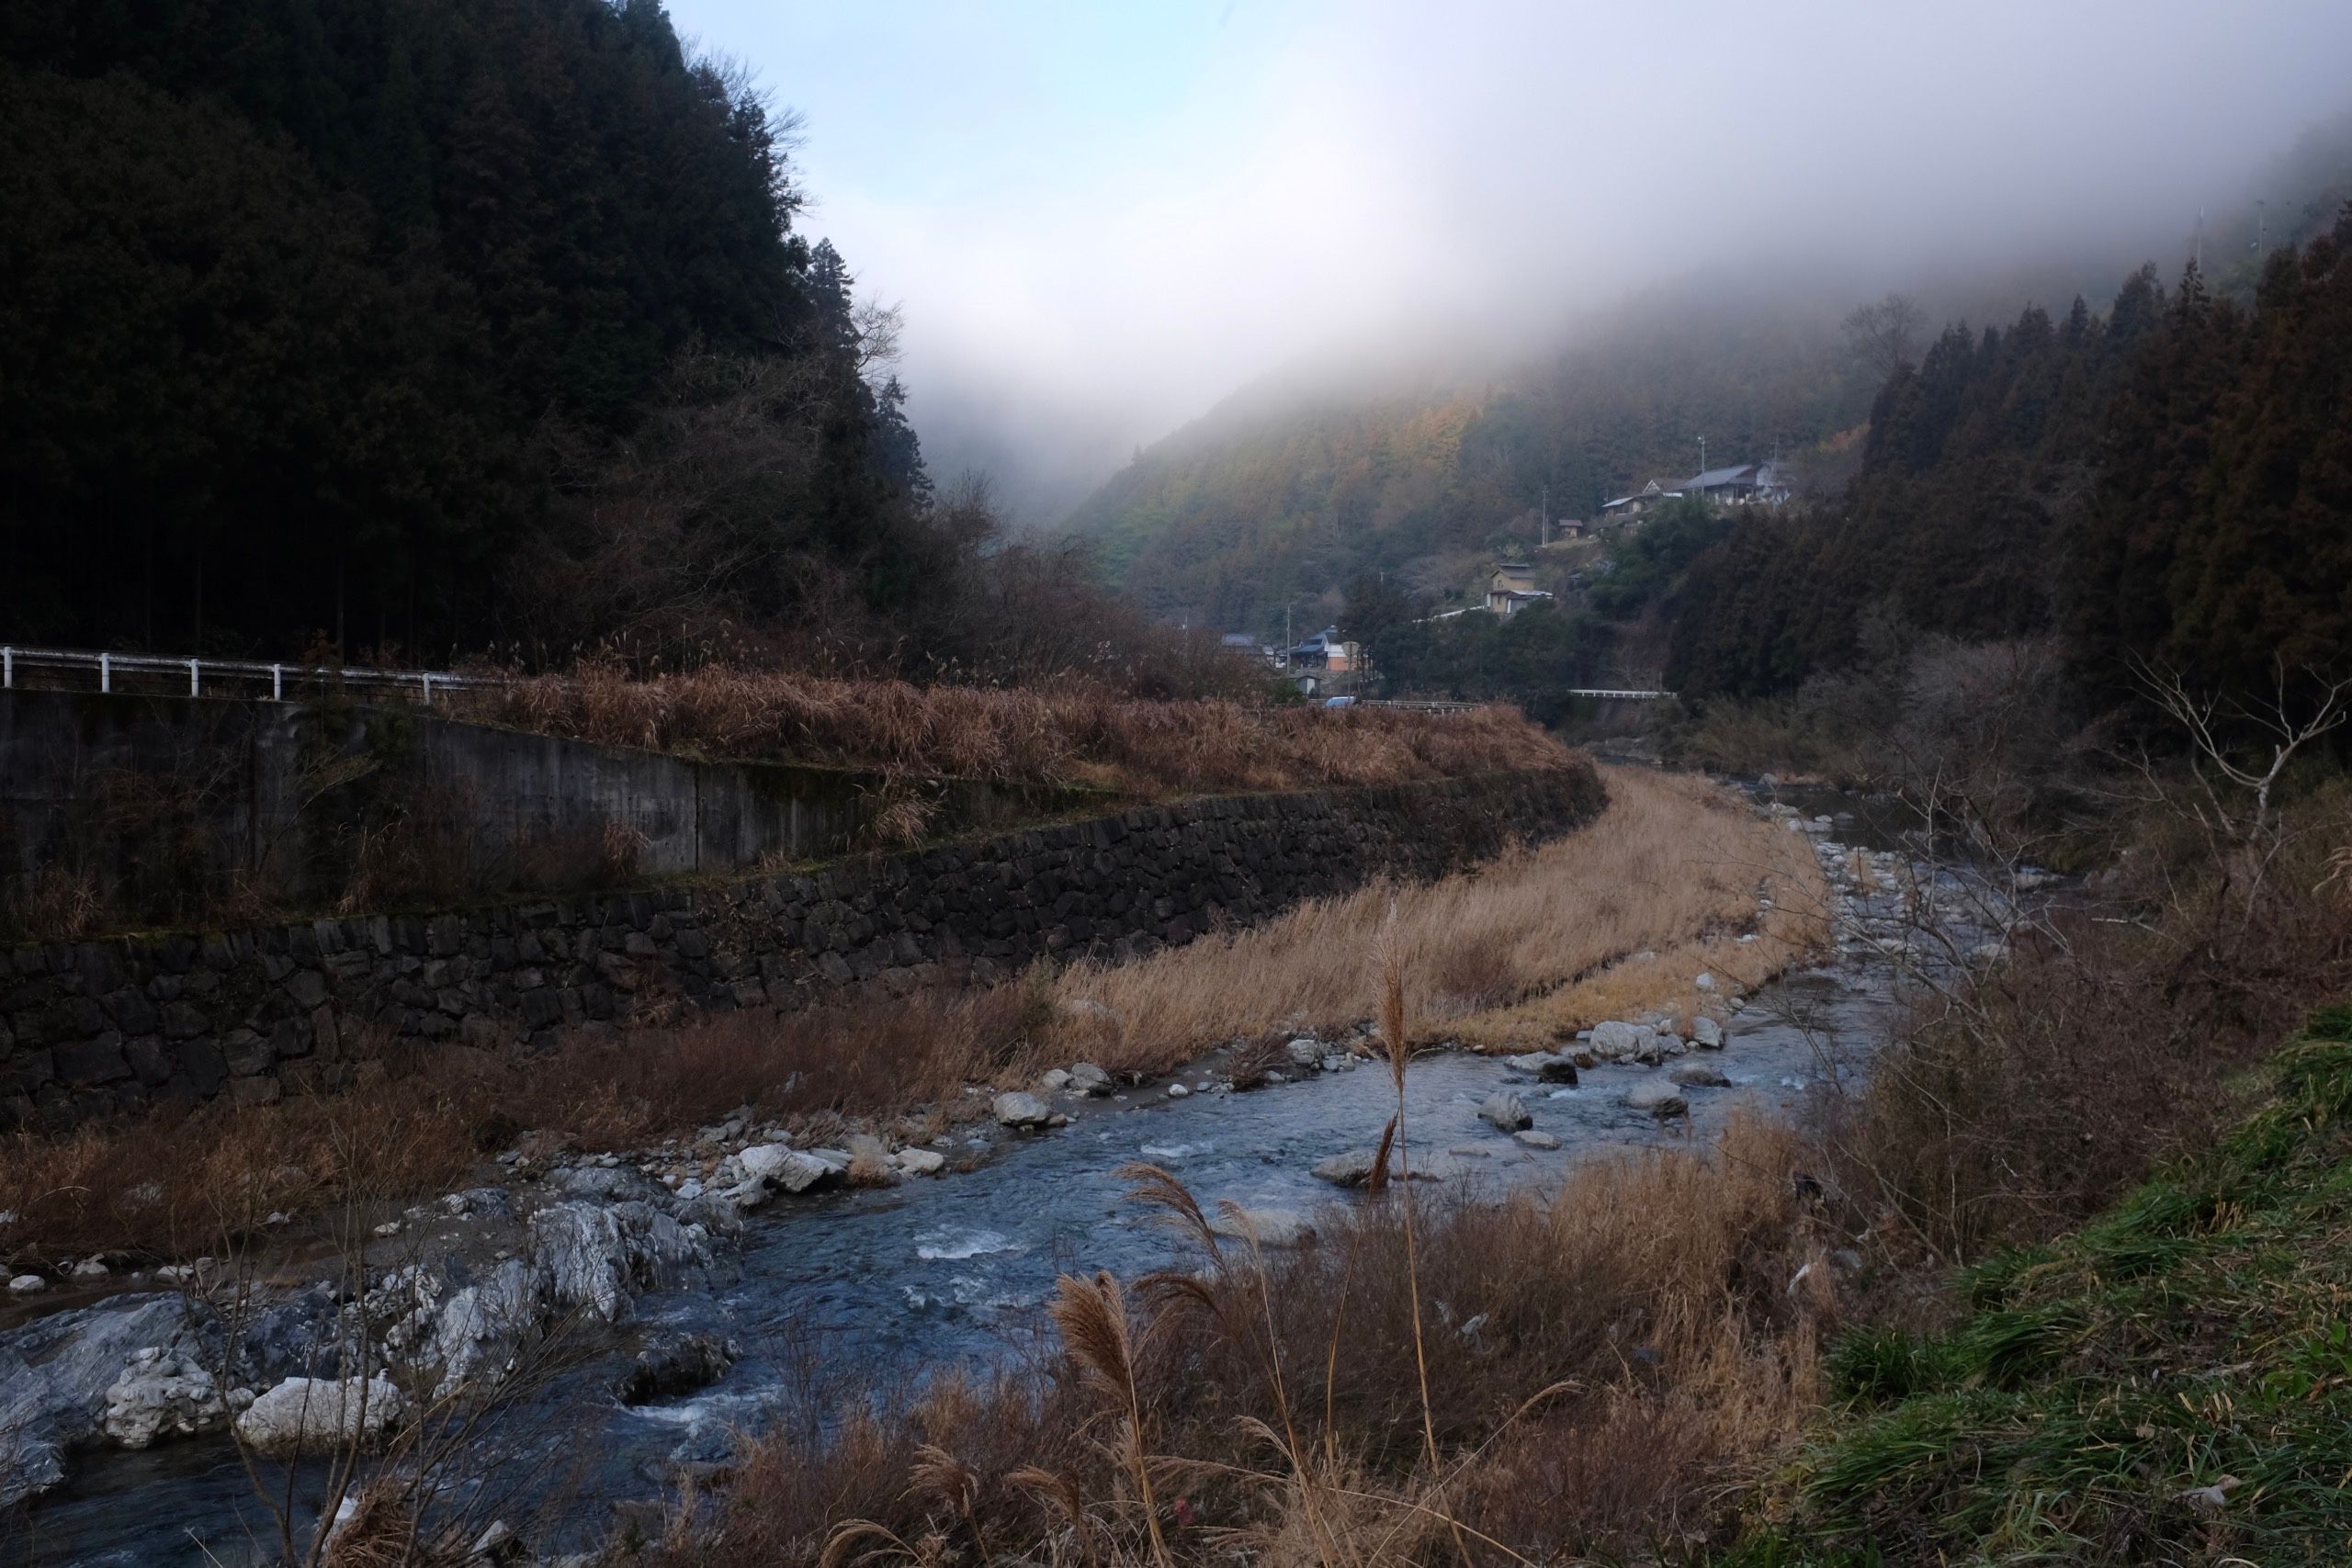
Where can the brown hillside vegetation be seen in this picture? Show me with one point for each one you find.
(1079, 735)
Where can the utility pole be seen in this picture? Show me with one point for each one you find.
(1703, 454)
(1543, 520)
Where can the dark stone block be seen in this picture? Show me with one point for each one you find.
(97, 1061)
(291, 1038)
(246, 1052)
(25, 1070)
(543, 1007)
(204, 1066)
(149, 1061)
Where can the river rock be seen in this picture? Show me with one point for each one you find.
(1506, 1110)
(161, 1395)
(320, 1413)
(26, 1285)
(679, 1364)
(481, 1326)
(608, 1183)
(1306, 1052)
(1085, 1078)
(1352, 1168)
(769, 1168)
(56, 1373)
(1706, 982)
(598, 1259)
(1018, 1109)
(1706, 1033)
(1698, 1074)
(922, 1162)
(1268, 1227)
(1660, 1096)
(1544, 1066)
(1624, 1042)
(1177, 1091)
(1535, 1140)
(1054, 1081)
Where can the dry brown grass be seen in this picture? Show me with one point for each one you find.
(176, 1184)
(1072, 735)
(1510, 955)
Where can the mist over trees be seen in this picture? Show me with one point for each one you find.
(2162, 485)
(1257, 504)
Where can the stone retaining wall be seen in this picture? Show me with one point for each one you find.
(96, 1027)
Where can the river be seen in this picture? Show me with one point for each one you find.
(888, 1281)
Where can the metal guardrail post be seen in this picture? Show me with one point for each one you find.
(7, 667)
(106, 674)
(194, 688)
(278, 683)
(428, 691)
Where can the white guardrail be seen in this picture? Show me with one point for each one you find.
(227, 677)
(222, 677)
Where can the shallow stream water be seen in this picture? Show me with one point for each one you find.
(892, 1281)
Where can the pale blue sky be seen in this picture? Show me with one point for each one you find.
(1100, 218)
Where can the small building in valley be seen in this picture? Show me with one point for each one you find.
(1741, 484)
(1625, 508)
(1327, 651)
(1511, 588)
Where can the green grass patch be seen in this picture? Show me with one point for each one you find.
(2201, 1329)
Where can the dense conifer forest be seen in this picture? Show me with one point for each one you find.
(431, 326)
(2165, 483)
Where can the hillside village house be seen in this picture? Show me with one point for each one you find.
(1511, 588)
(1741, 484)
(1625, 508)
(1325, 651)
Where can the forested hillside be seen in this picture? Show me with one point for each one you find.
(1273, 497)
(1285, 495)
(2168, 484)
(430, 324)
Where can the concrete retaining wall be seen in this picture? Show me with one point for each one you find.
(97, 1027)
(178, 805)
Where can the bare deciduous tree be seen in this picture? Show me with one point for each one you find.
(1881, 335)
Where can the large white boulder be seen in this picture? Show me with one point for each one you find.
(161, 1395)
(1621, 1041)
(1352, 1168)
(1506, 1110)
(317, 1414)
(1267, 1227)
(1660, 1096)
(1019, 1110)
